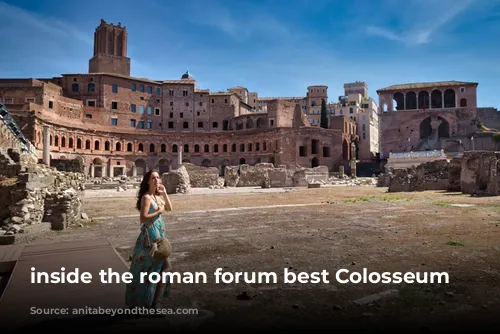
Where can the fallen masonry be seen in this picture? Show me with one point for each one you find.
(263, 175)
(36, 194)
(475, 173)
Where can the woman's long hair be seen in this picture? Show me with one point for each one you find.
(143, 188)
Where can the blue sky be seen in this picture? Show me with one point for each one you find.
(274, 47)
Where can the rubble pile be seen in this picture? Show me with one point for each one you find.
(41, 194)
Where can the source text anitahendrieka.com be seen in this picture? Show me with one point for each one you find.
(112, 311)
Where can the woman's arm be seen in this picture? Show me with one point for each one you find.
(168, 203)
(145, 204)
(163, 193)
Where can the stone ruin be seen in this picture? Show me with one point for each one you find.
(263, 175)
(35, 193)
(432, 175)
(475, 173)
(480, 174)
(177, 181)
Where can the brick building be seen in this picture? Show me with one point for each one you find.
(115, 124)
(427, 116)
(354, 104)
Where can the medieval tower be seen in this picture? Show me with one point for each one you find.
(110, 50)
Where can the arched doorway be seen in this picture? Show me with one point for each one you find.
(140, 166)
(345, 150)
(98, 167)
(163, 166)
(223, 165)
(314, 162)
(206, 163)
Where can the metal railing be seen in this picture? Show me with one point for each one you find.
(14, 128)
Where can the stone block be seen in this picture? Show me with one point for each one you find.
(7, 239)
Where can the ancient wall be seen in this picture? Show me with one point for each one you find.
(303, 177)
(202, 177)
(266, 175)
(400, 131)
(65, 165)
(41, 195)
(177, 181)
(25, 188)
(480, 173)
(433, 175)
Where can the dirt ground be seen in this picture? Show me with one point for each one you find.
(307, 230)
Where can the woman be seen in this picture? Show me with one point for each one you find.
(152, 201)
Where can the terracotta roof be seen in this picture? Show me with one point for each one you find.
(180, 81)
(421, 85)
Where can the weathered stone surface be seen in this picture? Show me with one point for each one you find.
(62, 209)
(277, 177)
(202, 177)
(36, 192)
(253, 175)
(231, 176)
(177, 181)
(455, 170)
(480, 173)
(432, 175)
(303, 176)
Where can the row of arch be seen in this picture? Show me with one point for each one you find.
(248, 123)
(423, 100)
(57, 141)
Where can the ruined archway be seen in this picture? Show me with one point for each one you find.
(345, 150)
(436, 99)
(398, 101)
(223, 165)
(78, 164)
(432, 129)
(98, 168)
(249, 123)
(314, 162)
(206, 163)
(260, 123)
(411, 101)
(449, 98)
(140, 167)
(425, 128)
(423, 100)
(163, 166)
(444, 128)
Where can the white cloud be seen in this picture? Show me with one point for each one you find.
(46, 25)
(426, 17)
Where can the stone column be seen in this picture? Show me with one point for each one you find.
(179, 159)
(46, 144)
(92, 171)
(353, 169)
(134, 170)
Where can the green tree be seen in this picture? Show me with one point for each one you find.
(324, 115)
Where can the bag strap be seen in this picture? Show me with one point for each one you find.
(146, 224)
